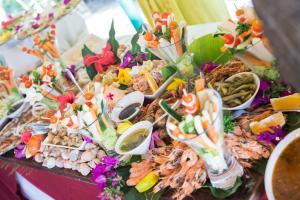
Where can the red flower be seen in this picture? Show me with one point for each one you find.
(7, 24)
(65, 99)
(102, 60)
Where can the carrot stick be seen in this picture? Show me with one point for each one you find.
(176, 36)
(212, 134)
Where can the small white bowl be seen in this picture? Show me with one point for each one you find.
(161, 89)
(131, 98)
(249, 101)
(144, 146)
(273, 159)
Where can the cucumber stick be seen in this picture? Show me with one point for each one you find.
(164, 105)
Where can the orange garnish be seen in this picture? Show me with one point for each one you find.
(148, 36)
(88, 96)
(53, 120)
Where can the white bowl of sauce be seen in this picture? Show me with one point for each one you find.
(282, 176)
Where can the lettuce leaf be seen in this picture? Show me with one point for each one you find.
(207, 48)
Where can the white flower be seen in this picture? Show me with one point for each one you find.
(32, 96)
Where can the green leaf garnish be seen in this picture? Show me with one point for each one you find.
(229, 122)
(112, 40)
(91, 70)
(135, 46)
(36, 76)
(222, 194)
(242, 27)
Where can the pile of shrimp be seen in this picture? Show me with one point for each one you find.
(178, 167)
(245, 148)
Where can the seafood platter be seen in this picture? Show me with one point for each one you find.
(35, 19)
(155, 117)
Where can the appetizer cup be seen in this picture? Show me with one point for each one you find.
(168, 51)
(222, 168)
(143, 147)
(273, 159)
(247, 103)
(132, 98)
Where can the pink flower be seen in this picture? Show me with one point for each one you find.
(35, 26)
(66, 2)
(25, 137)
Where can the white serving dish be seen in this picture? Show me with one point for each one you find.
(249, 101)
(273, 159)
(144, 146)
(45, 142)
(131, 98)
(23, 108)
(161, 89)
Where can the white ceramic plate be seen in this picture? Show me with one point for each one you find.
(273, 159)
(249, 101)
(161, 89)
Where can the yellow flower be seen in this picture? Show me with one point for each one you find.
(175, 84)
(124, 76)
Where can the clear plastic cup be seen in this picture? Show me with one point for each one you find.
(222, 168)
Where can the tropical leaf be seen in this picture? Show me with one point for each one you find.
(207, 48)
(222, 194)
(135, 47)
(91, 70)
(133, 194)
(112, 40)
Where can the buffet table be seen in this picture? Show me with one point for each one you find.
(57, 183)
(67, 184)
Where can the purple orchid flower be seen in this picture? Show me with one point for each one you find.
(115, 181)
(20, 151)
(275, 136)
(35, 26)
(18, 27)
(38, 17)
(110, 161)
(128, 58)
(106, 178)
(111, 173)
(155, 139)
(101, 181)
(72, 70)
(208, 67)
(141, 57)
(87, 139)
(66, 2)
(99, 170)
(285, 93)
(261, 98)
(51, 15)
(264, 85)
